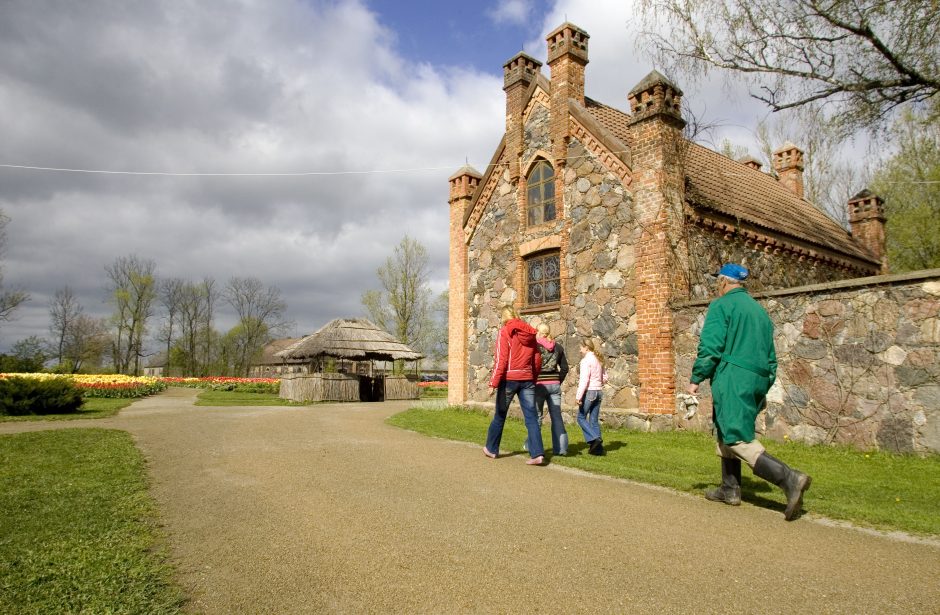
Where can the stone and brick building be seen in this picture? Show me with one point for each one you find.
(599, 222)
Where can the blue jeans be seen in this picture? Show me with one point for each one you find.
(589, 412)
(551, 393)
(504, 394)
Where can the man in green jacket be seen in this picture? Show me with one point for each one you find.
(736, 352)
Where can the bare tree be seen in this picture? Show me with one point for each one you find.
(171, 298)
(9, 299)
(132, 290)
(830, 179)
(64, 310)
(865, 57)
(260, 313)
(210, 295)
(403, 307)
(86, 342)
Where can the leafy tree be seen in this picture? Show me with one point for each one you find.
(13, 298)
(132, 290)
(403, 306)
(864, 58)
(171, 298)
(27, 355)
(909, 182)
(260, 313)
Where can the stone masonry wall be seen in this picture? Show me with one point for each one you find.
(859, 363)
(709, 250)
(597, 235)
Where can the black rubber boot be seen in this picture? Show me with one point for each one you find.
(793, 482)
(730, 490)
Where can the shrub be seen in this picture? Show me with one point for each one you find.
(21, 396)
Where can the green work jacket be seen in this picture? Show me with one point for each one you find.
(736, 352)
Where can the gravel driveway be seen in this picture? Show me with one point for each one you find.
(328, 509)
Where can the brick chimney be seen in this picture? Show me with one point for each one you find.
(661, 251)
(751, 163)
(567, 57)
(463, 185)
(518, 74)
(867, 219)
(788, 163)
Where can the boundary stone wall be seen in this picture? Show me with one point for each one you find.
(859, 362)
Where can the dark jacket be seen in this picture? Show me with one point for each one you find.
(516, 356)
(554, 361)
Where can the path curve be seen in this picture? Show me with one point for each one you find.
(328, 509)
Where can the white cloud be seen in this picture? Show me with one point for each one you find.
(510, 11)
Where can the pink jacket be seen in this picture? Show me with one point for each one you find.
(591, 375)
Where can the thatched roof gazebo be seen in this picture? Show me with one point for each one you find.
(350, 339)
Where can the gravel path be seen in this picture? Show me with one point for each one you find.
(328, 509)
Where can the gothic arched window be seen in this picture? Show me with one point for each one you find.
(540, 193)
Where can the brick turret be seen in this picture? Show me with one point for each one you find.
(867, 219)
(567, 57)
(518, 74)
(658, 183)
(463, 185)
(788, 163)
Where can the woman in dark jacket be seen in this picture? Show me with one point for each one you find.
(548, 386)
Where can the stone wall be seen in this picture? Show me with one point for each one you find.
(708, 250)
(597, 236)
(859, 362)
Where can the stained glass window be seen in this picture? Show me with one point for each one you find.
(540, 195)
(543, 284)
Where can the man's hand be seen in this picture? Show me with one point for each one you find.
(692, 389)
(492, 390)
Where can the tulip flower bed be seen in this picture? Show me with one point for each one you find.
(227, 383)
(433, 389)
(104, 385)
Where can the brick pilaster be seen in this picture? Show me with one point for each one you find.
(567, 57)
(463, 185)
(518, 74)
(661, 260)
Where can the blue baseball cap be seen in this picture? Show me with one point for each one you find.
(733, 271)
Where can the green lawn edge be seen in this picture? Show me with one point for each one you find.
(78, 528)
(876, 490)
(92, 408)
(209, 397)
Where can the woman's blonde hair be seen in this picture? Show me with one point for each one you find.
(508, 313)
(545, 331)
(589, 344)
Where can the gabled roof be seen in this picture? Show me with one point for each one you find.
(350, 338)
(269, 355)
(718, 183)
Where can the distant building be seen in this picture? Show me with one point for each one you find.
(273, 366)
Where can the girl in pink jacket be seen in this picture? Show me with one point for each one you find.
(591, 379)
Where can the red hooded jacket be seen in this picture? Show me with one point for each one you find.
(516, 356)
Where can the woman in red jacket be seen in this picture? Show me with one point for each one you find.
(516, 365)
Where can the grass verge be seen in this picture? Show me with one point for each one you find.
(77, 527)
(92, 408)
(879, 490)
(235, 398)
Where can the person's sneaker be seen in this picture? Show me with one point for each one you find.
(488, 453)
(536, 461)
(596, 447)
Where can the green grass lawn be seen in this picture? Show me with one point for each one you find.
(77, 527)
(235, 398)
(93, 408)
(880, 490)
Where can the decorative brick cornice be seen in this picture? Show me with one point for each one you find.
(482, 198)
(539, 96)
(758, 239)
(603, 153)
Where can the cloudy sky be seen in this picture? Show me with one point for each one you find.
(331, 128)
